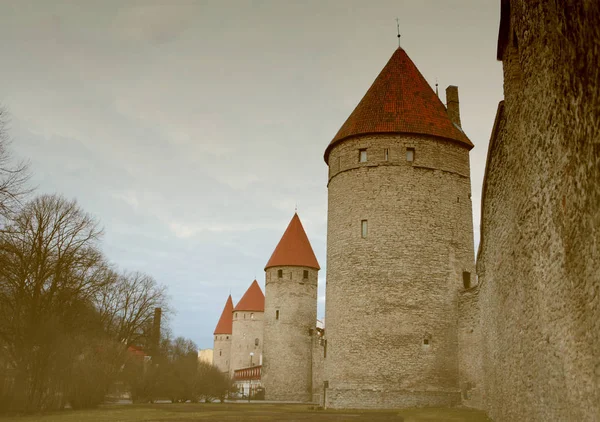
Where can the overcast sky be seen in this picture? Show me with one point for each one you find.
(191, 129)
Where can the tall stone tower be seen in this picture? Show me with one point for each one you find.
(222, 342)
(290, 316)
(399, 245)
(247, 329)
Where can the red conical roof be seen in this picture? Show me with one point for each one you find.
(400, 101)
(294, 248)
(224, 326)
(253, 299)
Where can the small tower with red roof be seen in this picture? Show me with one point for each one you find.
(247, 329)
(222, 341)
(290, 316)
(399, 245)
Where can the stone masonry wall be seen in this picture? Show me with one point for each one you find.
(393, 296)
(222, 352)
(539, 258)
(469, 348)
(248, 327)
(290, 321)
(318, 367)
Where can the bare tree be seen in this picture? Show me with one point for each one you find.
(13, 176)
(51, 269)
(127, 304)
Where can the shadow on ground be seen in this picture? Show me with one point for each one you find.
(248, 412)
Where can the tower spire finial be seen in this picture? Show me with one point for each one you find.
(398, 28)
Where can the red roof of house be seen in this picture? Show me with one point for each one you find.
(136, 351)
(400, 101)
(253, 299)
(294, 248)
(224, 326)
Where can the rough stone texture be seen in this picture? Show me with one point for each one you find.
(287, 364)
(222, 352)
(318, 362)
(247, 327)
(539, 257)
(389, 292)
(469, 348)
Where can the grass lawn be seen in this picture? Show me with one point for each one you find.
(247, 412)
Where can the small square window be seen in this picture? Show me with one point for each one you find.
(279, 273)
(386, 154)
(227, 337)
(277, 314)
(305, 275)
(467, 279)
(410, 154)
(362, 155)
(426, 342)
(363, 228)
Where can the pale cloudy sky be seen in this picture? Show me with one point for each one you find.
(191, 129)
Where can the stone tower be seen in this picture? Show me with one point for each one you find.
(399, 245)
(222, 343)
(247, 329)
(290, 316)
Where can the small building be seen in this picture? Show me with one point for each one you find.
(205, 355)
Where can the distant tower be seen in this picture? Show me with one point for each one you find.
(290, 316)
(247, 332)
(399, 245)
(222, 342)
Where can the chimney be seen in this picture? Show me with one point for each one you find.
(156, 331)
(452, 104)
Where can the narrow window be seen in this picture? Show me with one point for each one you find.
(256, 341)
(227, 337)
(325, 349)
(305, 276)
(279, 273)
(363, 228)
(410, 154)
(386, 154)
(220, 353)
(362, 155)
(467, 279)
(244, 316)
(277, 314)
(236, 315)
(251, 316)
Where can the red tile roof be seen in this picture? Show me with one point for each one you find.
(253, 299)
(224, 326)
(294, 248)
(400, 101)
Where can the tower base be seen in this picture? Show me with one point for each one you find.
(336, 398)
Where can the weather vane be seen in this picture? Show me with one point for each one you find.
(398, 27)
